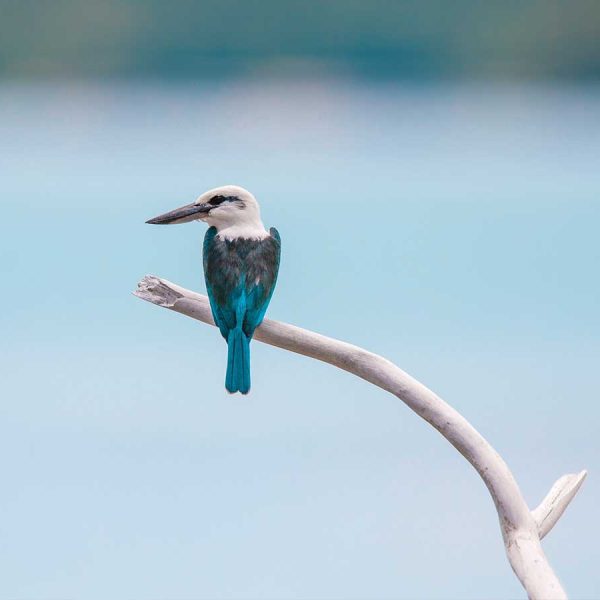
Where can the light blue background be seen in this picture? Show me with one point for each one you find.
(452, 229)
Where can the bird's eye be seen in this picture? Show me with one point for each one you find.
(216, 200)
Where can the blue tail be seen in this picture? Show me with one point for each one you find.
(238, 362)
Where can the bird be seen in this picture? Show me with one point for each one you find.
(241, 263)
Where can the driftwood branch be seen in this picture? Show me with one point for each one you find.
(522, 529)
(556, 501)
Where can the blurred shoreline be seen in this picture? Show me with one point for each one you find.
(377, 40)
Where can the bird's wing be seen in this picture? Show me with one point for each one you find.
(262, 267)
(223, 279)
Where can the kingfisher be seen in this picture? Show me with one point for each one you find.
(241, 262)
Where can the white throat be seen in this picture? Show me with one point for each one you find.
(251, 229)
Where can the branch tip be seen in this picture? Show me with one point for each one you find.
(556, 501)
(153, 289)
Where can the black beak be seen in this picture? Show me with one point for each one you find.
(185, 214)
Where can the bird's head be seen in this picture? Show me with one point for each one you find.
(222, 207)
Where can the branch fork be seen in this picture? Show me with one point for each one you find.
(522, 529)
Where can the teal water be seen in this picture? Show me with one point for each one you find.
(452, 229)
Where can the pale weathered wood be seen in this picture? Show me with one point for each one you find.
(556, 501)
(521, 528)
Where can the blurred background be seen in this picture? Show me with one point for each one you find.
(432, 168)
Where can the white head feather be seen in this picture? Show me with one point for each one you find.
(236, 217)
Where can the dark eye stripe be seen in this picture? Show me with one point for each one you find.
(216, 200)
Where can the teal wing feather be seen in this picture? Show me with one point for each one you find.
(223, 314)
(260, 288)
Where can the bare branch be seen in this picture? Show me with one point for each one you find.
(556, 501)
(521, 529)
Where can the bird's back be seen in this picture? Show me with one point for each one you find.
(240, 278)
